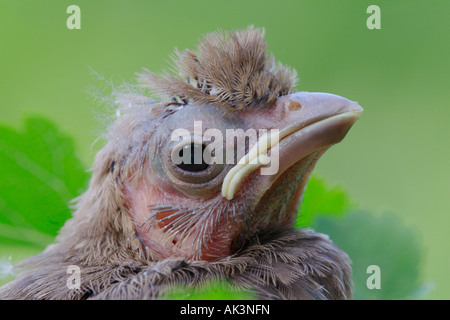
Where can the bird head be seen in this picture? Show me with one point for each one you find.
(223, 158)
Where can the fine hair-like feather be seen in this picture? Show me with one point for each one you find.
(230, 70)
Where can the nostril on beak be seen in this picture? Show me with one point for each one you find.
(294, 105)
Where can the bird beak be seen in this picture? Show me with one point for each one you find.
(304, 124)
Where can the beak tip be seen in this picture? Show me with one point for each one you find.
(355, 107)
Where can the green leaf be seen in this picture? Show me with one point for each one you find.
(40, 174)
(213, 290)
(320, 200)
(382, 241)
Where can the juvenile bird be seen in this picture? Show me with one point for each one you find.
(203, 184)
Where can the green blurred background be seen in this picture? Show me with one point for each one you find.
(395, 160)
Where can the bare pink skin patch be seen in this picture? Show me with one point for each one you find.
(155, 231)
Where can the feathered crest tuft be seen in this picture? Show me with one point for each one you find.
(231, 70)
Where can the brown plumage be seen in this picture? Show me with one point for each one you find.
(230, 70)
(147, 224)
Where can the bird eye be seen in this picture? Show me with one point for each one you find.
(192, 166)
(192, 158)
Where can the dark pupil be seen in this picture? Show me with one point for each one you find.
(193, 152)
